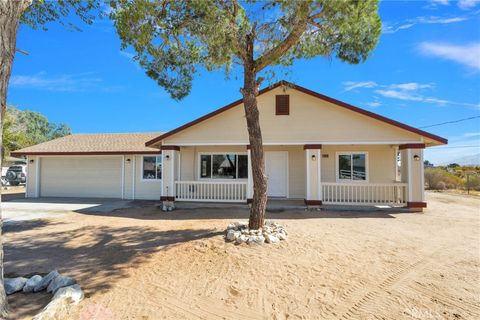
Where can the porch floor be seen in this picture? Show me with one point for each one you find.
(275, 205)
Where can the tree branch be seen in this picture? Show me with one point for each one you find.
(279, 50)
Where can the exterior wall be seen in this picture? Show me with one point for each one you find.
(31, 187)
(190, 159)
(311, 120)
(381, 162)
(145, 189)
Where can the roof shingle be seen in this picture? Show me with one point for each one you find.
(98, 143)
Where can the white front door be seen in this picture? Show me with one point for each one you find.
(276, 165)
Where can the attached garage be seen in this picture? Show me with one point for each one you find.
(90, 177)
(103, 165)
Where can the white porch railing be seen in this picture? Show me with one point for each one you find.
(364, 194)
(217, 191)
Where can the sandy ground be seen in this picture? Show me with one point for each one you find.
(145, 264)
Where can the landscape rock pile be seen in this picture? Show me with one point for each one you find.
(64, 289)
(272, 232)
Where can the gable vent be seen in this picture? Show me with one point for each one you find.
(282, 105)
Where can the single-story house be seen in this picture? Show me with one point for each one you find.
(317, 148)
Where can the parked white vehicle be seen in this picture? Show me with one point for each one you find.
(16, 175)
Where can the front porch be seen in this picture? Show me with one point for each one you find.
(359, 175)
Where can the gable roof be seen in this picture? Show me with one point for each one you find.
(99, 143)
(311, 93)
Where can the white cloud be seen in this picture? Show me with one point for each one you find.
(462, 4)
(467, 4)
(63, 82)
(468, 55)
(411, 86)
(407, 91)
(441, 2)
(472, 134)
(350, 85)
(405, 95)
(374, 104)
(407, 24)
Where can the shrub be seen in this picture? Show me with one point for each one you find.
(440, 179)
(473, 183)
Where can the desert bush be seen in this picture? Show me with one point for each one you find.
(473, 183)
(440, 179)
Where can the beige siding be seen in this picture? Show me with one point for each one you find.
(145, 189)
(381, 162)
(190, 159)
(98, 177)
(311, 120)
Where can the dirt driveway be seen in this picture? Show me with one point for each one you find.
(144, 264)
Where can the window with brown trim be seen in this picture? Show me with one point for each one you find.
(282, 105)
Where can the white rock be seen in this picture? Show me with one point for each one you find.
(231, 235)
(59, 282)
(269, 238)
(256, 240)
(73, 292)
(241, 239)
(63, 299)
(231, 226)
(281, 236)
(13, 285)
(32, 283)
(46, 281)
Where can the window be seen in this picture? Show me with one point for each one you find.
(152, 167)
(282, 105)
(224, 166)
(352, 166)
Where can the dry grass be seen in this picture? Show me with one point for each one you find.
(144, 264)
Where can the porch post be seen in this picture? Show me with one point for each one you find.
(250, 177)
(313, 175)
(170, 155)
(412, 174)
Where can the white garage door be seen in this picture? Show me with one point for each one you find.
(95, 177)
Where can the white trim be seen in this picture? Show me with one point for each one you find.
(367, 171)
(226, 143)
(319, 175)
(172, 172)
(37, 181)
(123, 177)
(307, 167)
(133, 176)
(409, 173)
(141, 169)
(422, 176)
(249, 175)
(211, 153)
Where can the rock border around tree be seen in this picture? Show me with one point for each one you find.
(239, 233)
(66, 292)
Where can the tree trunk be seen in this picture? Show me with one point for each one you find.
(250, 93)
(10, 13)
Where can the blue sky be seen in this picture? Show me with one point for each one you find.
(425, 70)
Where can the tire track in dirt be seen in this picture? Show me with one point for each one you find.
(356, 299)
(205, 308)
(468, 307)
